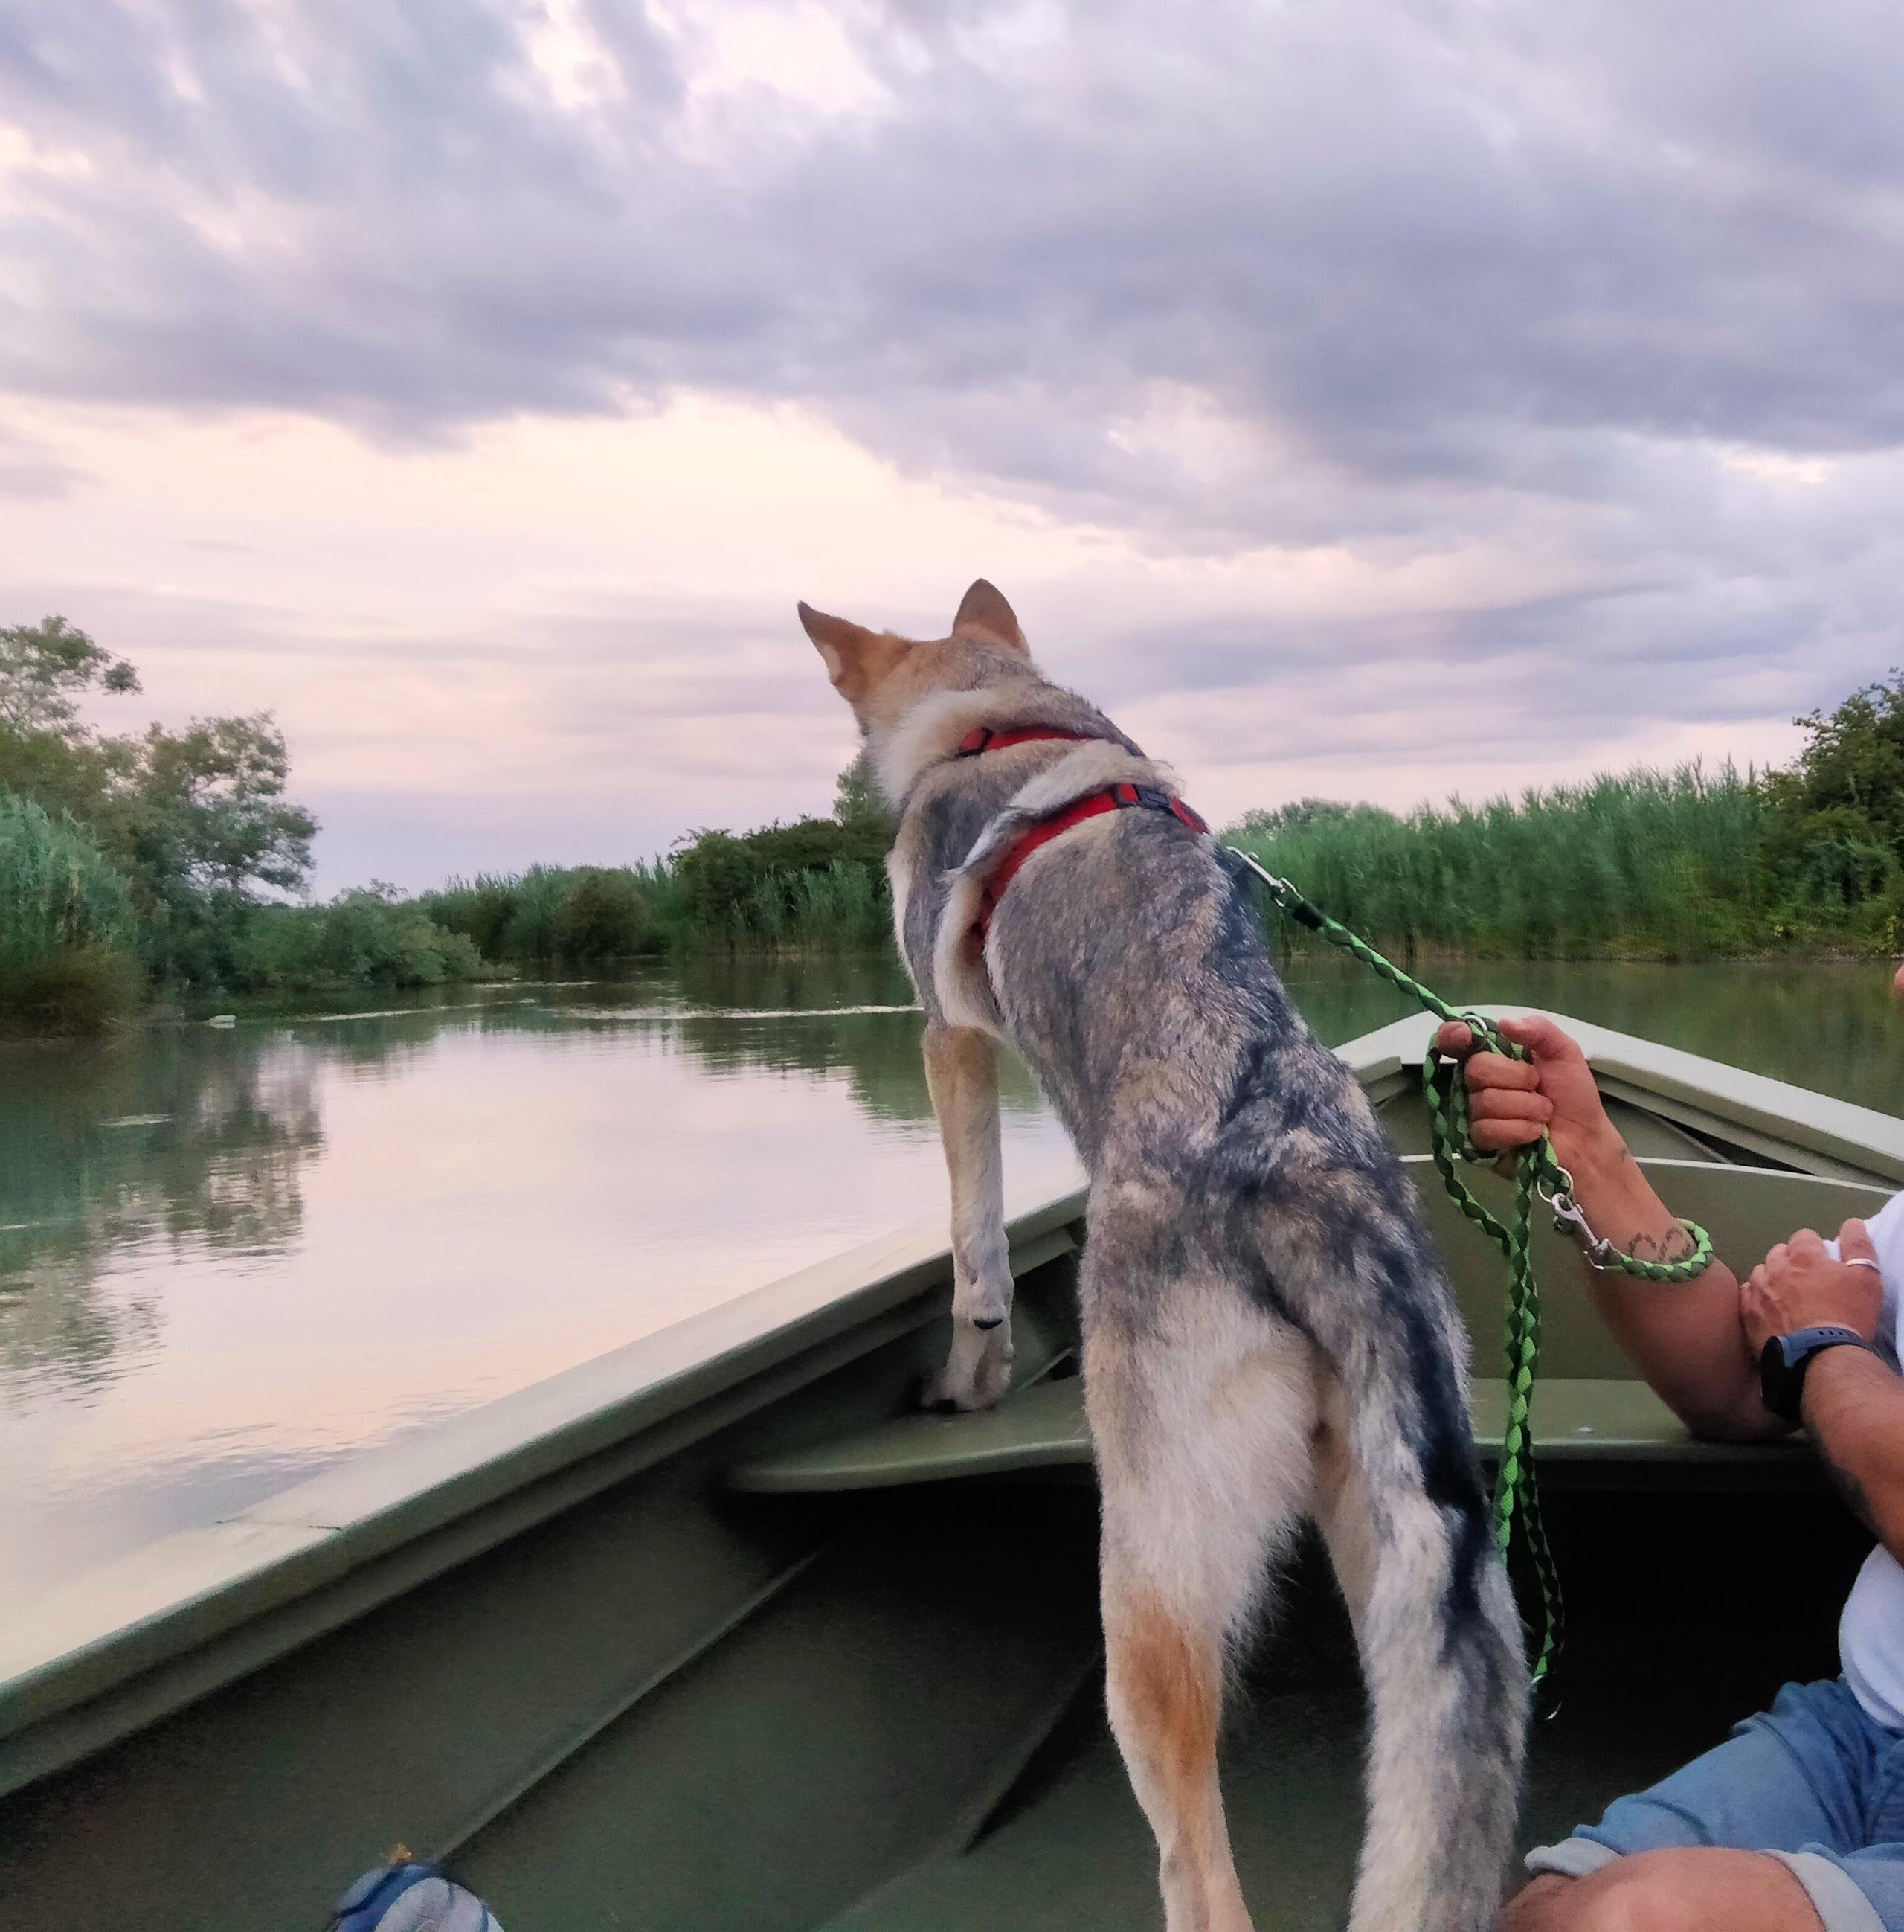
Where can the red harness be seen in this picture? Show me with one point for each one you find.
(1093, 804)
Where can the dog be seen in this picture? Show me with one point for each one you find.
(1268, 1336)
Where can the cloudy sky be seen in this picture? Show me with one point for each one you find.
(1365, 397)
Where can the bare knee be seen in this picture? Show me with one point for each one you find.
(1615, 1899)
(1539, 1905)
(1677, 1891)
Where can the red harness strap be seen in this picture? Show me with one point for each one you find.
(982, 739)
(1112, 798)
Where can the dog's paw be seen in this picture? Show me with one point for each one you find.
(977, 1373)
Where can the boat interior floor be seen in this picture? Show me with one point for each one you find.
(1668, 1649)
(912, 1740)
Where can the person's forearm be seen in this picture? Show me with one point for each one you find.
(1854, 1408)
(1685, 1338)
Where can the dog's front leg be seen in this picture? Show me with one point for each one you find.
(961, 1069)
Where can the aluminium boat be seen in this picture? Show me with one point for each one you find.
(718, 1632)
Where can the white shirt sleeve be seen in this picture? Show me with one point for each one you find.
(1886, 1229)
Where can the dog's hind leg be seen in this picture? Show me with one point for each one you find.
(1400, 1504)
(962, 1069)
(1201, 1421)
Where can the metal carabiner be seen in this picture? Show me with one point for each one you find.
(1568, 1219)
(1281, 890)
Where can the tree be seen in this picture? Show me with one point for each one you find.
(195, 812)
(45, 668)
(204, 807)
(857, 804)
(1852, 769)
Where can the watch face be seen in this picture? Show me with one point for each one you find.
(1777, 1383)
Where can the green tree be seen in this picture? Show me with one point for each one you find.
(204, 809)
(1852, 769)
(197, 819)
(857, 804)
(46, 668)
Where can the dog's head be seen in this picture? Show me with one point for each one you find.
(886, 678)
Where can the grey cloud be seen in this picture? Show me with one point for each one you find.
(1432, 274)
(1400, 229)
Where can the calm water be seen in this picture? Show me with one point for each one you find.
(229, 1259)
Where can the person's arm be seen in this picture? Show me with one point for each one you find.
(1853, 1403)
(1685, 1338)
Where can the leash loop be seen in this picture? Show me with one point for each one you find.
(1537, 1175)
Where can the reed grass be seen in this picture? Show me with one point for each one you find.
(68, 929)
(1644, 865)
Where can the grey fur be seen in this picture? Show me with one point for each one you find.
(1269, 1332)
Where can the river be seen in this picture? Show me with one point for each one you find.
(229, 1258)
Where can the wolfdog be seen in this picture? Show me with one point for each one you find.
(1268, 1334)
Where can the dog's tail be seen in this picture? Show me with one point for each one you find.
(1409, 1532)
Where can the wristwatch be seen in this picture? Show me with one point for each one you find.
(1785, 1358)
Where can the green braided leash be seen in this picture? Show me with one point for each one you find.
(1516, 1499)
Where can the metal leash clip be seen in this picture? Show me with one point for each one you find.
(1281, 890)
(1568, 1219)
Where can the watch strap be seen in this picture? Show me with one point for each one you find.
(1785, 1358)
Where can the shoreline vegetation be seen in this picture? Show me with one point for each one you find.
(158, 871)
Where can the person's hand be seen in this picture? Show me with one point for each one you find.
(1799, 1286)
(1512, 1103)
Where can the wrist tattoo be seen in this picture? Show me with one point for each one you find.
(1676, 1245)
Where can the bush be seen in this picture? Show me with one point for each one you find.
(367, 938)
(583, 915)
(76, 990)
(730, 885)
(603, 915)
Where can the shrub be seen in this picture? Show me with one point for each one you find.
(366, 938)
(76, 990)
(603, 915)
(724, 880)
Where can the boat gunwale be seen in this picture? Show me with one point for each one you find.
(116, 1624)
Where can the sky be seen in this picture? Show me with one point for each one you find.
(1358, 398)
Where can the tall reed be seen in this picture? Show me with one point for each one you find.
(1642, 865)
(67, 926)
(57, 891)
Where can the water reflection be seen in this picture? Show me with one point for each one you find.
(195, 1143)
(228, 1259)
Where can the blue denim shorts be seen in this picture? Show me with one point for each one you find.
(1813, 1781)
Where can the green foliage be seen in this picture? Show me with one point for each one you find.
(1853, 764)
(196, 821)
(205, 811)
(604, 916)
(68, 930)
(80, 990)
(371, 937)
(587, 915)
(59, 890)
(158, 855)
(1651, 865)
(46, 668)
(722, 876)
(857, 804)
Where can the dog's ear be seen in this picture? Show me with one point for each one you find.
(983, 615)
(856, 658)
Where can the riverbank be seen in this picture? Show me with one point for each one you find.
(1687, 865)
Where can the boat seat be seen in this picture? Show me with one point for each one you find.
(1592, 1434)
